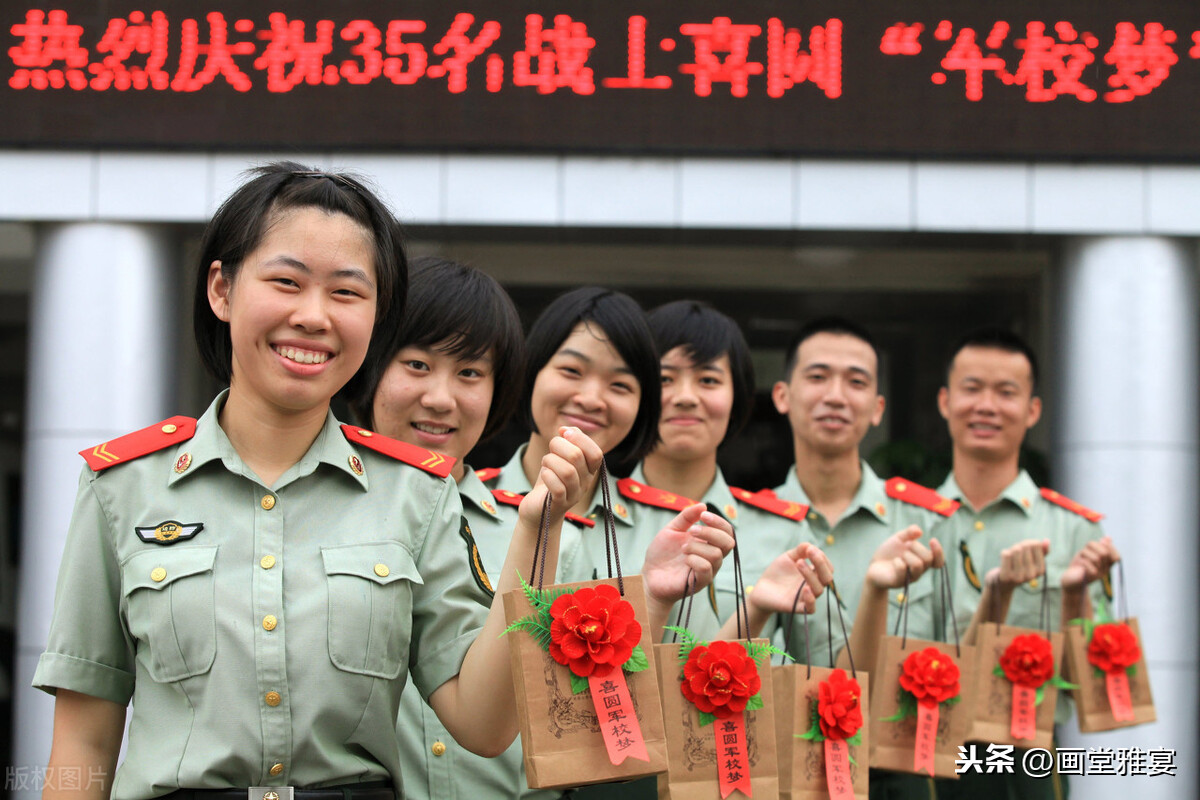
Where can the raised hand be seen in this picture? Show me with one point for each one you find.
(900, 552)
(695, 541)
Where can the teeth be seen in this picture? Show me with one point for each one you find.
(302, 356)
(424, 428)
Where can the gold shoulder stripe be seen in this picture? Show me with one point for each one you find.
(477, 571)
(969, 566)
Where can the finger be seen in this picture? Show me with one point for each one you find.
(822, 565)
(591, 451)
(703, 569)
(569, 453)
(712, 536)
(688, 517)
(939, 555)
(909, 534)
(811, 579)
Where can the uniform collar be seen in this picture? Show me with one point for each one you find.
(512, 475)
(1022, 492)
(717, 497)
(871, 494)
(472, 491)
(211, 444)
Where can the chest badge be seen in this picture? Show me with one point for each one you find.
(169, 532)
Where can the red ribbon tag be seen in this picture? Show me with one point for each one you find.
(837, 770)
(927, 723)
(1119, 697)
(1024, 712)
(618, 721)
(733, 755)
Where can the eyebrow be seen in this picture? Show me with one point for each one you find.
(352, 273)
(857, 370)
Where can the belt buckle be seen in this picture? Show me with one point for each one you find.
(270, 793)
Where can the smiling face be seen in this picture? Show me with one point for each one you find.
(696, 401)
(988, 403)
(832, 396)
(434, 399)
(586, 384)
(300, 309)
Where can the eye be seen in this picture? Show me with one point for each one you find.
(288, 282)
(416, 364)
(570, 371)
(348, 293)
(666, 379)
(470, 372)
(711, 380)
(624, 387)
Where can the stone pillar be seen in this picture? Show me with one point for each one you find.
(102, 334)
(1125, 327)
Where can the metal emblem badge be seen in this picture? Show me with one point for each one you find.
(169, 532)
(270, 793)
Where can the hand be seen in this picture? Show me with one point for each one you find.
(567, 471)
(900, 552)
(696, 541)
(1090, 563)
(775, 590)
(1019, 564)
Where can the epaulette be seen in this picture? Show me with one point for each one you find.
(488, 474)
(771, 503)
(139, 443)
(648, 495)
(514, 499)
(410, 454)
(918, 495)
(1071, 505)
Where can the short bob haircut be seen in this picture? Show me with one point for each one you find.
(836, 325)
(462, 312)
(706, 334)
(623, 323)
(243, 219)
(997, 339)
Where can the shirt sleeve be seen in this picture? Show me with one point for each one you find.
(449, 608)
(89, 649)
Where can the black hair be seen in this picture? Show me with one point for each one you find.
(464, 313)
(623, 324)
(836, 325)
(240, 224)
(996, 339)
(706, 334)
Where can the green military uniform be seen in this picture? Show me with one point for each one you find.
(435, 766)
(1022, 511)
(264, 635)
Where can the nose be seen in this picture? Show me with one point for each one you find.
(682, 392)
(311, 313)
(835, 392)
(589, 395)
(437, 395)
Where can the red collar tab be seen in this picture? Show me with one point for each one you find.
(767, 501)
(1071, 505)
(514, 499)
(139, 443)
(410, 454)
(918, 495)
(648, 495)
(488, 474)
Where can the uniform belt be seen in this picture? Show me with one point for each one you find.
(371, 790)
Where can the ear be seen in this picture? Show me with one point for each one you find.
(943, 402)
(220, 290)
(779, 396)
(1035, 411)
(877, 414)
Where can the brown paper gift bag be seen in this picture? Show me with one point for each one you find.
(1092, 697)
(560, 730)
(993, 720)
(693, 754)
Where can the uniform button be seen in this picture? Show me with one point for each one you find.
(382, 570)
(158, 574)
(277, 769)
(268, 501)
(829, 539)
(880, 509)
(978, 524)
(749, 588)
(812, 515)
(169, 428)
(273, 699)
(900, 597)
(269, 622)
(439, 749)
(1033, 584)
(266, 562)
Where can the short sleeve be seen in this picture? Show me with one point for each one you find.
(449, 607)
(89, 650)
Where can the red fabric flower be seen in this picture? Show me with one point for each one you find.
(930, 675)
(1113, 647)
(838, 711)
(1028, 661)
(720, 678)
(592, 631)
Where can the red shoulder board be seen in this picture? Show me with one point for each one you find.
(767, 501)
(139, 443)
(648, 495)
(514, 499)
(486, 475)
(918, 495)
(1071, 505)
(432, 462)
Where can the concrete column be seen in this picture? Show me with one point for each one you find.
(102, 332)
(1127, 445)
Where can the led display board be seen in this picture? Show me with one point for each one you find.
(1094, 79)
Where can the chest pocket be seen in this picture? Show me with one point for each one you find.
(370, 606)
(169, 605)
(924, 609)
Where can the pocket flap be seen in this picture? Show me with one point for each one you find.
(380, 562)
(160, 567)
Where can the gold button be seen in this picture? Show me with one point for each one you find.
(978, 524)
(157, 574)
(266, 562)
(273, 699)
(812, 515)
(277, 769)
(169, 428)
(365, 433)
(829, 539)
(382, 570)
(899, 597)
(269, 622)
(1025, 501)
(901, 486)
(1033, 584)
(749, 588)
(438, 749)
(268, 502)
(730, 511)
(880, 509)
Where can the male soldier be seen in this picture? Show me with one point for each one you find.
(1006, 529)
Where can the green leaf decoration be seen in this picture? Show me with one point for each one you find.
(688, 642)
(953, 701)
(855, 740)
(1039, 695)
(813, 734)
(1131, 670)
(1059, 682)
(852, 761)
(578, 685)
(535, 627)
(637, 660)
(998, 671)
(755, 702)
(762, 651)
(706, 718)
(1102, 613)
(1097, 672)
(908, 708)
